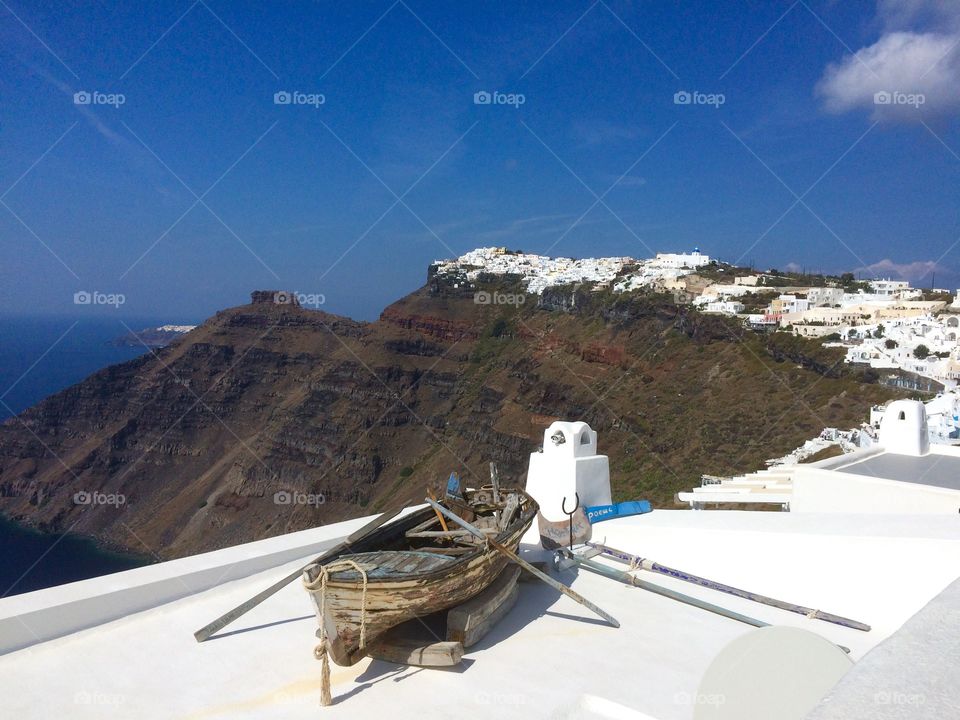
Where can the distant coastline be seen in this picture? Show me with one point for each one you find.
(152, 337)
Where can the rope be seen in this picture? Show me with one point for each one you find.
(320, 651)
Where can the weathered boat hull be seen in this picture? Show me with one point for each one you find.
(390, 601)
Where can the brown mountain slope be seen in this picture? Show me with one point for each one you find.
(268, 398)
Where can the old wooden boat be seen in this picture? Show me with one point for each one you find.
(413, 567)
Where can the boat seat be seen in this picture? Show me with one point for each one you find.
(391, 563)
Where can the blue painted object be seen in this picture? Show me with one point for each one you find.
(454, 488)
(599, 513)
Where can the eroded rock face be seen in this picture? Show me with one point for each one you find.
(271, 418)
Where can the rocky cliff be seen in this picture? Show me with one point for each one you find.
(270, 418)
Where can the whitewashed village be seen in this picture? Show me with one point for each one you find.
(884, 324)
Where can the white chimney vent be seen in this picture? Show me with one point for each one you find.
(568, 465)
(903, 430)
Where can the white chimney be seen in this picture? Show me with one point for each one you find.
(568, 465)
(903, 429)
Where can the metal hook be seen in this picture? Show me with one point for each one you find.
(569, 514)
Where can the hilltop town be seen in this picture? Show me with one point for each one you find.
(883, 323)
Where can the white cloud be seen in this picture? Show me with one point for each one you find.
(793, 267)
(914, 271)
(911, 72)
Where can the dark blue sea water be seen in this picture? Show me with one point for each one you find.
(38, 357)
(31, 561)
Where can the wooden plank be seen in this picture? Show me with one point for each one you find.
(448, 551)
(403, 649)
(469, 622)
(513, 503)
(480, 630)
(447, 533)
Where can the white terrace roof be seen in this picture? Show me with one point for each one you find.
(548, 658)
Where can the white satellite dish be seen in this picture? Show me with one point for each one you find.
(770, 672)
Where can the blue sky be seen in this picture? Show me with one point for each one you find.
(199, 188)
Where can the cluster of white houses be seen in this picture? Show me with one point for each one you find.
(538, 272)
(886, 325)
(889, 327)
(925, 345)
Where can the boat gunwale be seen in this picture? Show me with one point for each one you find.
(517, 527)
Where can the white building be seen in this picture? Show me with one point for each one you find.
(725, 307)
(691, 261)
(785, 304)
(889, 288)
(825, 296)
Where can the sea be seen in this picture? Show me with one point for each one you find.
(40, 356)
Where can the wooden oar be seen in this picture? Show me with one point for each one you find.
(629, 579)
(650, 587)
(245, 607)
(646, 564)
(525, 565)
